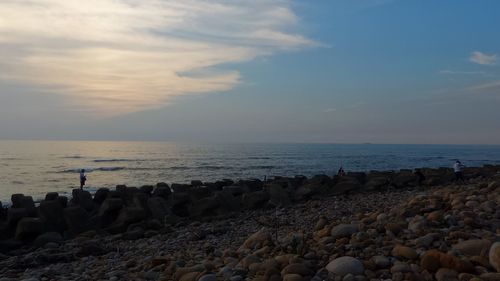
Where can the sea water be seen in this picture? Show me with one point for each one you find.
(37, 167)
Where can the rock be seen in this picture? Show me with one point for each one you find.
(381, 261)
(494, 256)
(51, 213)
(490, 276)
(297, 268)
(208, 277)
(445, 274)
(278, 195)
(162, 190)
(83, 198)
(100, 195)
(28, 229)
(147, 189)
(204, 207)
(473, 247)
(254, 200)
(430, 261)
(404, 252)
(77, 219)
(257, 240)
(345, 265)
(344, 230)
(158, 207)
(293, 277)
(14, 215)
(51, 196)
(48, 237)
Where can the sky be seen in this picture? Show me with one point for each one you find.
(324, 71)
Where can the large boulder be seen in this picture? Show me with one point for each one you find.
(127, 216)
(162, 190)
(228, 200)
(158, 207)
(473, 247)
(494, 256)
(16, 200)
(51, 196)
(346, 185)
(28, 229)
(204, 207)
(100, 195)
(14, 215)
(344, 230)
(25, 202)
(200, 193)
(77, 219)
(279, 196)
(404, 179)
(52, 237)
(345, 265)
(254, 200)
(109, 210)
(51, 213)
(83, 198)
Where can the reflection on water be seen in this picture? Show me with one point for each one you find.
(36, 167)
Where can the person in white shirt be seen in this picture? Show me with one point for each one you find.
(457, 168)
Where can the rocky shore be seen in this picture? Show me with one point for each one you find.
(374, 226)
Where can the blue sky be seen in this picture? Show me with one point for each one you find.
(400, 71)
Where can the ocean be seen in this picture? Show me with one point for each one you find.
(37, 167)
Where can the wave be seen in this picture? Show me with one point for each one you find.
(73, 157)
(117, 160)
(88, 170)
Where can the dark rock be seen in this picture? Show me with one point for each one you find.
(83, 198)
(91, 248)
(16, 200)
(278, 195)
(134, 234)
(109, 210)
(177, 187)
(204, 207)
(14, 215)
(28, 229)
(199, 193)
(63, 200)
(162, 190)
(158, 208)
(51, 213)
(146, 189)
(47, 237)
(254, 200)
(51, 196)
(100, 195)
(196, 183)
(77, 219)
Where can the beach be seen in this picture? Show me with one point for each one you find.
(374, 226)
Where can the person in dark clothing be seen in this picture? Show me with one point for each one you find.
(457, 168)
(341, 172)
(83, 178)
(420, 177)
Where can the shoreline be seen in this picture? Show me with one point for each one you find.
(397, 231)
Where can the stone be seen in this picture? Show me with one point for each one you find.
(48, 237)
(297, 268)
(162, 190)
(51, 213)
(14, 215)
(208, 277)
(254, 200)
(473, 247)
(51, 196)
(404, 252)
(100, 195)
(257, 240)
(494, 256)
(446, 274)
(381, 261)
(203, 207)
(430, 261)
(345, 265)
(28, 229)
(344, 230)
(490, 276)
(77, 219)
(83, 198)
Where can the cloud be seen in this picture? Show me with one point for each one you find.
(110, 57)
(328, 110)
(453, 72)
(482, 58)
(492, 85)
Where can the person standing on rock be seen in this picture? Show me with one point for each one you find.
(341, 172)
(83, 178)
(457, 168)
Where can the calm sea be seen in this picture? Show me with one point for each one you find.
(36, 167)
